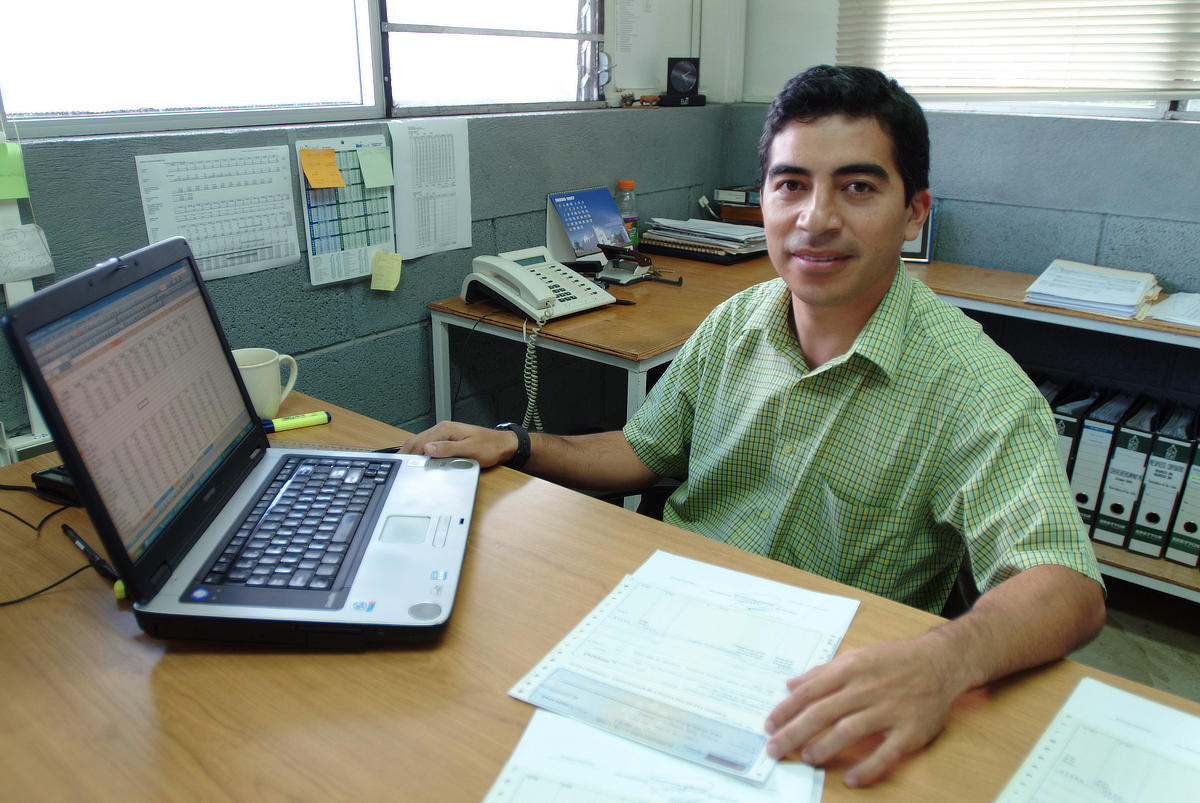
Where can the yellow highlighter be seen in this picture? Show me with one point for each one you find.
(296, 421)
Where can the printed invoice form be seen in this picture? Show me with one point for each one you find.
(689, 658)
(1106, 744)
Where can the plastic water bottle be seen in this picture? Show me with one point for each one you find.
(627, 205)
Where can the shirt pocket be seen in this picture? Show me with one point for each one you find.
(869, 545)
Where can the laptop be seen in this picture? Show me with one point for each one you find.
(216, 534)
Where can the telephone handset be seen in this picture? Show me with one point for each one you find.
(531, 281)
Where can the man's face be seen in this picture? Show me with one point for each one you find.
(834, 212)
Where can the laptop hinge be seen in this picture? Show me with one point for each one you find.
(160, 576)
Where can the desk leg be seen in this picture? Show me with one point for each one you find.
(635, 391)
(635, 394)
(442, 400)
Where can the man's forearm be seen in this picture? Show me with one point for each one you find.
(1030, 619)
(601, 462)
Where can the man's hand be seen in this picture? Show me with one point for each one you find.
(451, 439)
(900, 690)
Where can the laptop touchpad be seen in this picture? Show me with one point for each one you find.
(404, 530)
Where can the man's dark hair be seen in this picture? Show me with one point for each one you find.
(858, 92)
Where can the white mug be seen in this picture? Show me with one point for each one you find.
(260, 372)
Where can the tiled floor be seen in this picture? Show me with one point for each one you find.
(1150, 637)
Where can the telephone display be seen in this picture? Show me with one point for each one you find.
(533, 283)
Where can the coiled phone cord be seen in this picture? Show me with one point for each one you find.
(533, 418)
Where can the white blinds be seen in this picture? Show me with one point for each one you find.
(1027, 48)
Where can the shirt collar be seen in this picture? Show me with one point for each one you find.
(880, 341)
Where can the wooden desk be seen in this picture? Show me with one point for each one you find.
(633, 338)
(93, 709)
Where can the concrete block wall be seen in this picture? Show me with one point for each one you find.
(370, 351)
(1012, 192)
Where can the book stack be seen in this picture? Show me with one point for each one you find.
(748, 214)
(739, 205)
(1089, 288)
(737, 195)
(707, 240)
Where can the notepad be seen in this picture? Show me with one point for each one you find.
(1180, 308)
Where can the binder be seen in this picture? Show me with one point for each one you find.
(1091, 456)
(1184, 544)
(1165, 472)
(1124, 475)
(1049, 388)
(1069, 411)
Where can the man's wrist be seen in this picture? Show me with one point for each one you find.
(956, 655)
(522, 453)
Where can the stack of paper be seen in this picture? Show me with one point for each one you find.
(1089, 288)
(711, 236)
(677, 668)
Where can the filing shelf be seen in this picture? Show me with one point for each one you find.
(1002, 293)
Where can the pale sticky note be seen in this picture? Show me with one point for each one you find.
(385, 271)
(320, 167)
(376, 166)
(23, 253)
(12, 171)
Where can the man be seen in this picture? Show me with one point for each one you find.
(844, 420)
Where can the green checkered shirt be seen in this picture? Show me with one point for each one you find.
(867, 469)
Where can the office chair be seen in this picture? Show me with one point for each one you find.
(963, 594)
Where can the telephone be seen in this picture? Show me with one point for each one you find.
(533, 283)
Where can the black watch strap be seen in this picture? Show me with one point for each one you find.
(522, 454)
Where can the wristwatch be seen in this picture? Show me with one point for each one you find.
(522, 453)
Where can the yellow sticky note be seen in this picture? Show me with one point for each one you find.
(12, 171)
(385, 271)
(320, 167)
(376, 166)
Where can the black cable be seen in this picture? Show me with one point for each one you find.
(40, 494)
(466, 351)
(50, 515)
(47, 588)
(18, 518)
(37, 528)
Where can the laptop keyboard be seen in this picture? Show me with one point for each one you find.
(298, 535)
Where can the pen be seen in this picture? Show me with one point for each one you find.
(98, 563)
(296, 421)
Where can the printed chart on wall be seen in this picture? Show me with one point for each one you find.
(234, 206)
(346, 219)
(431, 160)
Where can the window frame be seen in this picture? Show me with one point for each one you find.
(373, 28)
(597, 39)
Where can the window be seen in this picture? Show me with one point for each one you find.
(456, 53)
(87, 67)
(1116, 57)
(80, 66)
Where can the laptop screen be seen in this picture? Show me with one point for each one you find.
(145, 389)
